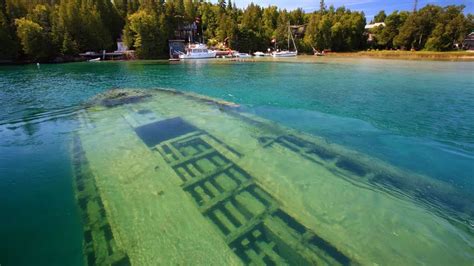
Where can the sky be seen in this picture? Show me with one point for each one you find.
(370, 7)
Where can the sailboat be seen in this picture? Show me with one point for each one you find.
(287, 53)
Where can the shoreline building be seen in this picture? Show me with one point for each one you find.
(468, 43)
(368, 30)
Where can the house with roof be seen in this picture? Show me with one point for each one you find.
(468, 43)
(368, 30)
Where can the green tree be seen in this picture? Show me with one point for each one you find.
(8, 47)
(418, 27)
(269, 21)
(297, 17)
(226, 28)
(82, 22)
(281, 31)
(450, 29)
(312, 30)
(251, 18)
(41, 14)
(190, 10)
(209, 17)
(222, 5)
(229, 7)
(470, 22)
(324, 37)
(32, 38)
(46, 28)
(110, 19)
(380, 17)
(406, 34)
(69, 46)
(248, 41)
(392, 25)
(147, 35)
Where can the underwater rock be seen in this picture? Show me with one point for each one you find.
(115, 97)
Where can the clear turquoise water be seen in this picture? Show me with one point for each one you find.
(415, 115)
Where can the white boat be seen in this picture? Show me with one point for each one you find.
(259, 54)
(318, 53)
(243, 55)
(287, 53)
(197, 51)
(95, 59)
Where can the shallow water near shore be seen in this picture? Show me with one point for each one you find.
(415, 117)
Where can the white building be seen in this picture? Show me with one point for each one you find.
(121, 47)
(373, 25)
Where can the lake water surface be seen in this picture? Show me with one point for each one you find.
(417, 116)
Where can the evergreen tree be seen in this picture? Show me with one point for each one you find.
(222, 6)
(8, 47)
(451, 28)
(32, 38)
(190, 10)
(392, 25)
(297, 17)
(42, 29)
(380, 17)
(251, 18)
(406, 36)
(417, 28)
(179, 5)
(281, 31)
(312, 30)
(269, 21)
(323, 38)
(69, 46)
(147, 35)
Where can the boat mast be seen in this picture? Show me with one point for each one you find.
(292, 39)
(289, 32)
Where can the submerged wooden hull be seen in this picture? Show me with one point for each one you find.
(172, 178)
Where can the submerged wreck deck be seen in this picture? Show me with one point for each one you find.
(163, 177)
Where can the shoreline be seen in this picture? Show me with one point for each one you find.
(459, 56)
(408, 55)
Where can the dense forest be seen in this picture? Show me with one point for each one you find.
(46, 29)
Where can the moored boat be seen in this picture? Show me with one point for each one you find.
(287, 53)
(197, 51)
(243, 55)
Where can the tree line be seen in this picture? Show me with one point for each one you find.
(432, 28)
(46, 29)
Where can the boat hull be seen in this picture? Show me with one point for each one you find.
(244, 56)
(198, 56)
(285, 54)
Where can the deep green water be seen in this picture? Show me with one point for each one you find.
(417, 115)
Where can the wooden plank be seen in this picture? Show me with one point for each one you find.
(224, 220)
(195, 181)
(223, 196)
(267, 249)
(184, 160)
(250, 225)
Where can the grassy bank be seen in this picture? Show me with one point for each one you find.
(417, 55)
